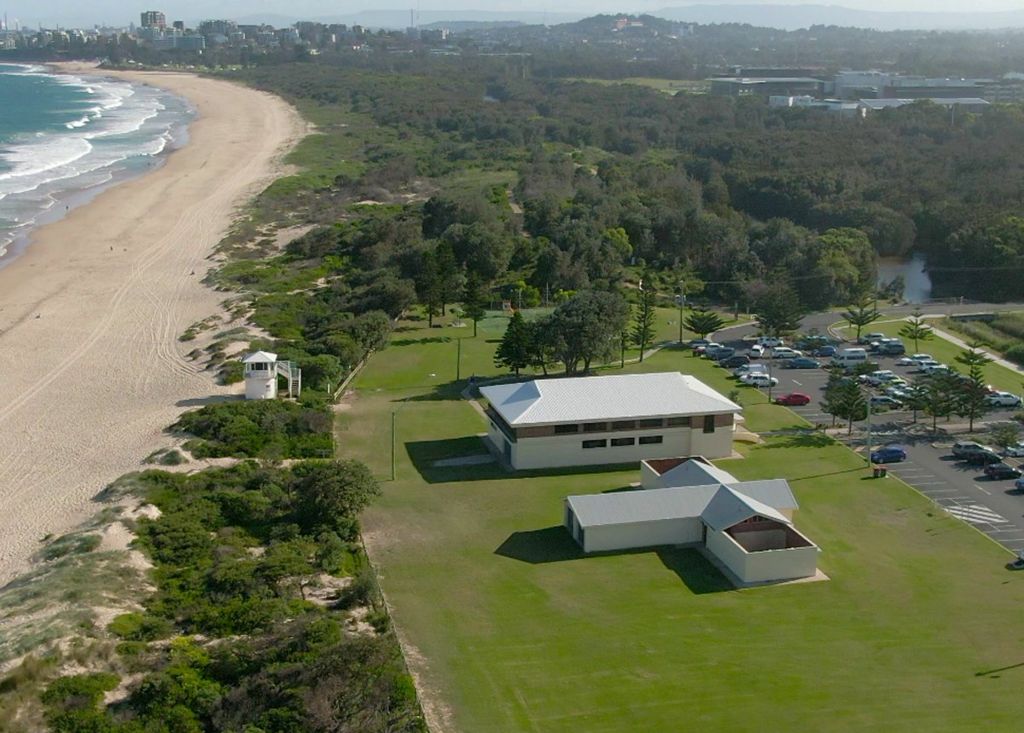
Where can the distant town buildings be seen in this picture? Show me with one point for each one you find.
(153, 19)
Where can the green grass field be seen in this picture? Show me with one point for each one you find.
(917, 627)
(946, 352)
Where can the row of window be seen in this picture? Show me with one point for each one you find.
(618, 442)
(601, 427)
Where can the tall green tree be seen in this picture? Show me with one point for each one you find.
(329, 495)
(915, 329)
(474, 299)
(702, 321)
(643, 319)
(587, 327)
(939, 394)
(514, 350)
(541, 344)
(778, 310)
(971, 398)
(862, 313)
(845, 400)
(429, 287)
(449, 273)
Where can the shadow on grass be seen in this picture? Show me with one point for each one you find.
(994, 672)
(555, 544)
(808, 439)
(425, 340)
(425, 453)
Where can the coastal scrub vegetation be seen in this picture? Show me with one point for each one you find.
(265, 615)
(258, 429)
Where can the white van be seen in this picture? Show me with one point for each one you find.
(850, 357)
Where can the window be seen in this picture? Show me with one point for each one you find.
(595, 443)
(651, 439)
(652, 423)
(679, 422)
(624, 425)
(709, 423)
(595, 427)
(563, 429)
(623, 441)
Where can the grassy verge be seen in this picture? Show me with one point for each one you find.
(519, 632)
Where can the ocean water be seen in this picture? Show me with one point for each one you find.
(63, 138)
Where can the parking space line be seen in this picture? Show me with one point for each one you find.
(984, 491)
(931, 483)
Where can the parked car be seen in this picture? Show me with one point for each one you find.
(784, 352)
(906, 361)
(1003, 399)
(751, 368)
(878, 377)
(734, 361)
(983, 458)
(803, 362)
(702, 349)
(722, 352)
(933, 369)
(770, 342)
(756, 351)
(1001, 471)
(694, 343)
(795, 399)
(964, 448)
(881, 400)
(1015, 451)
(1019, 484)
(759, 379)
(825, 351)
(867, 338)
(889, 454)
(892, 348)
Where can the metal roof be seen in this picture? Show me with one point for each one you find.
(259, 356)
(616, 397)
(696, 473)
(744, 499)
(889, 102)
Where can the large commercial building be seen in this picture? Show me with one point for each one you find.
(767, 86)
(744, 526)
(580, 421)
(153, 19)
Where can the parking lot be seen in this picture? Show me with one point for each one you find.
(994, 507)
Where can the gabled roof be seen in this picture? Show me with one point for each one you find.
(729, 507)
(696, 473)
(616, 397)
(259, 356)
(763, 498)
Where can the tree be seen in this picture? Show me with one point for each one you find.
(703, 321)
(514, 350)
(643, 320)
(1005, 435)
(429, 288)
(330, 495)
(844, 399)
(939, 395)
(474, 299)
(971, 399)
(588, 327)
(778, 310)
(541, 344)
(862, 313)
(449, 274)
(915, 329)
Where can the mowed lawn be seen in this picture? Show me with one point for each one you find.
(513, 630)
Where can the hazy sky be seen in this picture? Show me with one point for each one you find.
(87, 12)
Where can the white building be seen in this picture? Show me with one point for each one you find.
(261, 372)
(747, 526)
(614, 419)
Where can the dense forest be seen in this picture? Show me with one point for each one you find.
(559, 186)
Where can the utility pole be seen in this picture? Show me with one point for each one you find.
(394, 420)
(458, 360)
(868, 451)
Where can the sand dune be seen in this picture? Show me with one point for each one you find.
(90, 364)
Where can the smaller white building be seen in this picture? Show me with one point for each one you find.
(261, 372)
(580, 421)
(745, 525)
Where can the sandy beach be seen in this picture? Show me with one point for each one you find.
(90, 363)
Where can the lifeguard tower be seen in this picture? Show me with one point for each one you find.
(261, 372)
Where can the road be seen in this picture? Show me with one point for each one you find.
(993, 507)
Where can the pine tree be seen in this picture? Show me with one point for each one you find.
(702, 321)
(474, 299)
(643, 321)
(971, 398)
(862, 313)
(514, 350)
(916, 329)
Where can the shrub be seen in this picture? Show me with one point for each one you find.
(258, 427)
(139, 627)
(1015, 354)
(71, 544)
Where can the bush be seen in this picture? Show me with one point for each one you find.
(256, 428)
(1015, 354)
(71, 544)
(140, 627)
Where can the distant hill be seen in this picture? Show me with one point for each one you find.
(793, 17)
(436, 18)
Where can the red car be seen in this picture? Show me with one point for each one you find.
(793, 398)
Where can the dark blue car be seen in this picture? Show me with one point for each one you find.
(889, 454)
(825, 351)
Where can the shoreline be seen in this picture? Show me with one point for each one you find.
(91, 309)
